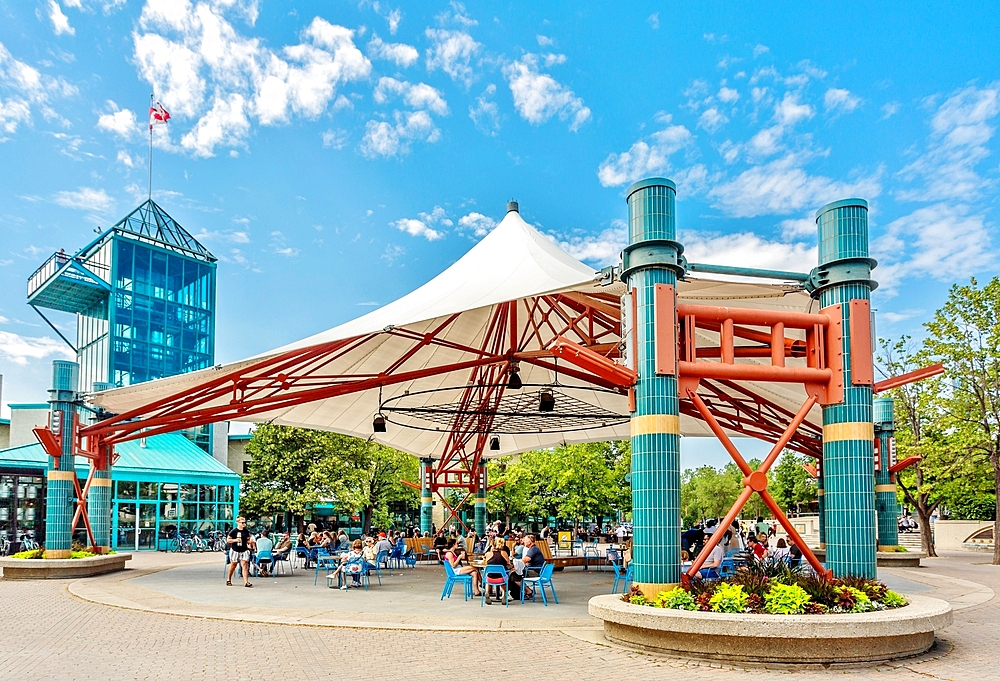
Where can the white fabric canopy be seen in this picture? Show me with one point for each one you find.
(513, 263)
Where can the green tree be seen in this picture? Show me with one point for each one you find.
(965, 335)
(792, 485)
(376, 478)
(293, 469)
(509, 500)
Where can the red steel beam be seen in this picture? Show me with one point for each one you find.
(754, 317)
(754, 372)
(907, 378)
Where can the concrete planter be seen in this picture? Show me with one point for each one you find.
(788, 639)
(63, 568)
(894, 559)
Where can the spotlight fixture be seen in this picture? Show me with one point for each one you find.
(514, 381)
(494, 444)
(378, 423)
(546, 400)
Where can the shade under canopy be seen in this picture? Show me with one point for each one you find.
(515, 278)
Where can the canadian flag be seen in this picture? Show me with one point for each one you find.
(158, 115)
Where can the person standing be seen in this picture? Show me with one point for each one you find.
(239, 541)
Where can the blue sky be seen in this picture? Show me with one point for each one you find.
(335, 155)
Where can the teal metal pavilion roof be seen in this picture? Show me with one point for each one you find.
(149, 220)
(168, 455)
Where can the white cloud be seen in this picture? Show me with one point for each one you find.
(86, 198)
(746, 247)
(225, 123)
(452, 52)
(943, 240)
(383, 138)
(60, 22)
(890, 109)
(419, 96)
(783, 186)
(19, 349)
(415, 227)
(961, 129)
(194, 58)
(334, 139)
(790, 111)
(23, 87)
(400, 53)
(600, 249)
(394, 18)
(654, 20)
(479, 224)
(767, 141)
(841, 100)
(760, 49)
(544, 41)
(538, 96)
(392, 253)
(648, 156)
(712, 120)
(125, 159)
(728, 95)
(797, 228)
(121, 122)
(485, 113)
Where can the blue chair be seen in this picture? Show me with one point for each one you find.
(590, 551)
(355, 570)
(612, 558)
(303, 553)
(324, 561)
(623, 575)
(262, 557)
(495, 575)
(279, 562)
(382, 560)
(451, 579)
(540, 582)
(575, 546)
(396, 555)
(431, 553)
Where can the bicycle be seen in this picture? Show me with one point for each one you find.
(179, 544)
(198, 544)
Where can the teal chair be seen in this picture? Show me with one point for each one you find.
(496, 576)
(623, 576)
(544, 579)
(451, 579)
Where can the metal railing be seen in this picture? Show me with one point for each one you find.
(56, 264)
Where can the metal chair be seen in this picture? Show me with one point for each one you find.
(540, 582)
(611, 558)
(324, 561)
(451, 579)
(279, 562)
(496, 575)
(590, 551)
(262, 557)
(622, 574)
(382, 560)
(355, 569)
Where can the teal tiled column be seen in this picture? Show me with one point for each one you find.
(480, 522)
(99, 510)
(886, 502)
(819, 502)
(848, 431)
(426, 498)
(60, 492)
(653, 257)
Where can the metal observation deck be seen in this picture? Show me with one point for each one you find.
(69, 284)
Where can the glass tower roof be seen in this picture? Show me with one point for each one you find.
(149, 220)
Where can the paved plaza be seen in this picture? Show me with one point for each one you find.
(118, 627)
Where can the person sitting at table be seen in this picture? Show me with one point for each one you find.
(756, 549)
(370, 553)
(441, 543)
(714, 560)
(383, 544)
(343, 542)
(498, 554)
(356, 551)
(780, 551)
(282, 548)
(455, 555)
(264, 543)
(534, 559)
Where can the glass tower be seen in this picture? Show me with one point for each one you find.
(144, 296)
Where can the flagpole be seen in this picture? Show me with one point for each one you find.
(150, 151)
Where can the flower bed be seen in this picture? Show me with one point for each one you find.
(39, 554)
(774, 588)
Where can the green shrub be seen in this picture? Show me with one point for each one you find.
(728, 598)
(891, 599)
(34, 554)
(675, 599)
(637, 599)
(81, 554)
(854, 600)
(820, 589)
(785, 599)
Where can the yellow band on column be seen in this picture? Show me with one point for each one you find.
(669, 424)
(851, 430)
(61, 553)
(650, 591)
(61, 475)
(890, 549)
(885, 488)
(100, 482)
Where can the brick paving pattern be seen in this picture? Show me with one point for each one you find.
(47, 633)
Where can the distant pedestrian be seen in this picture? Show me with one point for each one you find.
(239, 541)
